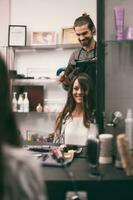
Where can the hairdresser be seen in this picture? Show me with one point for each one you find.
(85, 30)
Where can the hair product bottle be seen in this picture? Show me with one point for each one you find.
(14, 102)
(129, 128)
(20, 104)
(119, 22)
(26, 102)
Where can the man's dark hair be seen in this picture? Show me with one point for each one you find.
(84, 19)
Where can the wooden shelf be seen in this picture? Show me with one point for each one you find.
(20, 82)
(45, 47)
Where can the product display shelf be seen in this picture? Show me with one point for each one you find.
(34, 81)
(118, 42)
(117, 58)
(45, 47)
(36, 113)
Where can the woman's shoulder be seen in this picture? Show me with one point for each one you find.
(25, 172)
(15, 152)
(19, 156)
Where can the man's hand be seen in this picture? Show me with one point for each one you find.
(61, 76)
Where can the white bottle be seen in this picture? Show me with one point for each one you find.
(14, 102)
(26, 102)
(129, 128)
(20, 104)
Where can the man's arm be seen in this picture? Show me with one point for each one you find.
(68, 69)
(66, 72)
(71, 65)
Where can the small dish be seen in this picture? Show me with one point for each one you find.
(68, 157)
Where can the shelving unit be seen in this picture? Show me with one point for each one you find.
(117, 59)
(41, 121)
(118, 42)
(54, 94)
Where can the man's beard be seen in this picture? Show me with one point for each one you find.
(86, 42)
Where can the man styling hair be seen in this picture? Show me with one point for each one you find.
(84, 29)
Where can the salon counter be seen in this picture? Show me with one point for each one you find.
(112, 184)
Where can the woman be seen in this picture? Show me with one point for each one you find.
(74, 124)
(20, 174)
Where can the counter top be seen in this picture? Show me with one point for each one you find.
(113, 183)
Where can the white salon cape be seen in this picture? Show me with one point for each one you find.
(75, 133)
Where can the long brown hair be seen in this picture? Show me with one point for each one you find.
(9, 133)
(86, 85)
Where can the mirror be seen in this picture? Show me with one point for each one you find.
(42, 62)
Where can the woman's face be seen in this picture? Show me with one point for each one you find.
(77, 92)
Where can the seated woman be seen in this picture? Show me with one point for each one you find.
(74, 124)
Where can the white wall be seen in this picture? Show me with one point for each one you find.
(48, 14)
(4, 21)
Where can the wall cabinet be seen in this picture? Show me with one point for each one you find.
(52, 97)
(46, 92)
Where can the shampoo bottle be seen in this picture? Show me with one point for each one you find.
(119, 13)
(26, 102)
(14, 102)
(129, 128)
(20, 104)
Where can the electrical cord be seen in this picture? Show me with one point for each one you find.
(58, 155)
(70, 175)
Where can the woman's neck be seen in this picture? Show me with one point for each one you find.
(78, 111)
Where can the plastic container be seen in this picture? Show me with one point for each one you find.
(106, 148)
(129, 128)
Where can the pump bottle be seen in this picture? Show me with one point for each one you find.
(26, 102)
(14, 102)
(129, 128)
